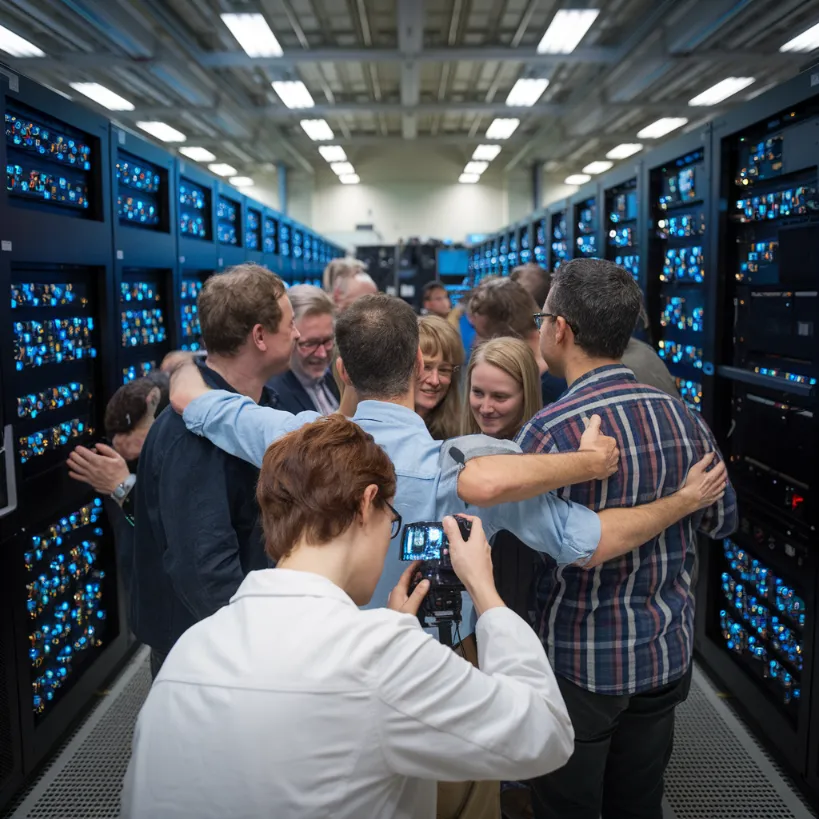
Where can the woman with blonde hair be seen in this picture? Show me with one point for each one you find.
(503, 389)
(437, 394)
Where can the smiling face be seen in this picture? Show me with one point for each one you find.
(433, 384)
(313, 351)
(496, 400)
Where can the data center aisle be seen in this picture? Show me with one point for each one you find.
(718, 770)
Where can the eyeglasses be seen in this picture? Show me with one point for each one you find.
(538, 317)
(310, 346)
(445, 371)
(396, 521)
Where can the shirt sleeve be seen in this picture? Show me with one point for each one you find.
(238, 425)
(721, 519)
(566, 531)
(444, 719)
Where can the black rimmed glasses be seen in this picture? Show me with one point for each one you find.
(396, 521)
(538, 317)
(311, 345)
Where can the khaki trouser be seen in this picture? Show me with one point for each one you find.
(469, 800)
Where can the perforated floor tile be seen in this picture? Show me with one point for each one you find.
(718, 771)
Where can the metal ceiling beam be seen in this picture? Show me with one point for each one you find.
(410, 17)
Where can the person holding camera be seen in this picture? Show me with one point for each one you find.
(293, 702)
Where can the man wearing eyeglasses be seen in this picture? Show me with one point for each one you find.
(309, 385)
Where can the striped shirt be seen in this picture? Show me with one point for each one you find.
(628, 625)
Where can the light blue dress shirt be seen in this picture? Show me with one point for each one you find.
(427, 476)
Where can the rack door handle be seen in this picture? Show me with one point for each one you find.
(7, 454)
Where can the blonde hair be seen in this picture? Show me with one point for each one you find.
(437, 337)
(516, 359)
(339, 269)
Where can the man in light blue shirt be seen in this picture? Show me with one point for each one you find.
(379, 357)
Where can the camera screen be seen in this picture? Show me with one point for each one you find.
(422, 541)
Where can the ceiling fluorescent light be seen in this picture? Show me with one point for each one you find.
(162, 131)
(468, 178)
(502, 128)
(241, 182)
(475, 168)
(662, 127)
(317, 129)
(197, 154)
(333, 153)
(15, 45)
(624, 151)
(721, 91)
(526, 93)
(601, 166)
(577, 179)
(486, 153)
(567, 29)
(222, 169)
(103, 96)
(253, 34)
(349, 179)
(805, 42)
(342, 168)
(294, 94)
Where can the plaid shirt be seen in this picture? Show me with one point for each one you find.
(628, 625)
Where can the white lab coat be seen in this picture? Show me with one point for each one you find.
(292, 703)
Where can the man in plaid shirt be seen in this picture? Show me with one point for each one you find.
(619, 636)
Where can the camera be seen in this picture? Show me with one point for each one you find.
(427, 542)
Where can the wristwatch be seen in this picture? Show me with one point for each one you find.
(121, 492)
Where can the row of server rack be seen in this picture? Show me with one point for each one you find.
(105, 242)
(720, 228)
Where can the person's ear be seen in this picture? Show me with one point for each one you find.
(257, 335)
(563, 333)
(342, 371)
(366, 508)
(152, 401)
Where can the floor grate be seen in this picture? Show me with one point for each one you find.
(718, 771)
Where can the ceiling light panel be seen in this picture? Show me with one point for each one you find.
(103, 96)
(577, 179)
(476, 167)
(15, 45)
(241, 182)
(502, 128)
(525, 93)
(333, 153)
(342, 168)
(468, 178)
(567, 29)
(807, 41)
(317, 129)
(253, 34)
(294, 94)
(662, 127)
(722, 91)
(349, 179)
(197, 154)
(162, 131)
(601, 166)
(486, 153)
(624, 150)
(222, 169)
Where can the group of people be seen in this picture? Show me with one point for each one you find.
(319, 423)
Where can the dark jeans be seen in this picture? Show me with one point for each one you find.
(621, 750)
(157, 658)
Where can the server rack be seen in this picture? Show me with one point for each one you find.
(624, 218)
(145, 253)
(757, 627)
(229, 226)
(253, 230)
(525, 242)
(679, 263)
(60, 576)
(539, 236)
(286, 266)
(586, 222)
(560, 235)
(271, 250)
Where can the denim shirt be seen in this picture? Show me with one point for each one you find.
(426, 472)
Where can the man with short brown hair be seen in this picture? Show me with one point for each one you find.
(196, 517)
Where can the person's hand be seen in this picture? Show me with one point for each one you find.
(186, 385)
(606, 455)
(103, 468)
(702, 488)
(472, 562)
(175, 359)
(400, 599)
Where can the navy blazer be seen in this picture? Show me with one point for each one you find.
(291, 395)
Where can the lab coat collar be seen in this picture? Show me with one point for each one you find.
(289, 583)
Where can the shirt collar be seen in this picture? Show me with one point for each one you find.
(610, 372)
(306, 381)
(385, 412)
(289, 583)
(269, 398)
